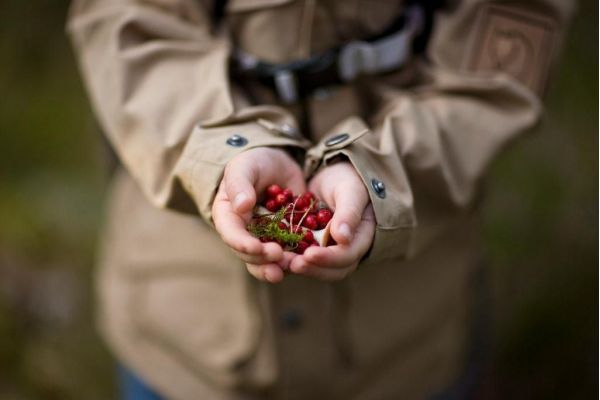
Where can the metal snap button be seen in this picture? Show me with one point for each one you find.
(288, 130)
(337, 139)
(237, 141)
(378, 187)
(291, 319)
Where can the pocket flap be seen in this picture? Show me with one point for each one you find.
(235, 6)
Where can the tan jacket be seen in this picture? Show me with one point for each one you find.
(177, 305)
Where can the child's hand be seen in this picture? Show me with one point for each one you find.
(352, 225)
(246, 175)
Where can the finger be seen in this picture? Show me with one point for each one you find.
(267, 273)
(232, 229)
(256, 271)
(349, 206)
(239, 180)
(286, 259)
(332, 257)
(342, 256)
(322, 273)
(271, 253)
(273, 273)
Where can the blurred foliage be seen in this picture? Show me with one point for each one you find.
(51, 193)
(540, 225)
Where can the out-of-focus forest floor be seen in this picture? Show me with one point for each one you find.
(540, 225)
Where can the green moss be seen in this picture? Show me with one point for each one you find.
(267, 227)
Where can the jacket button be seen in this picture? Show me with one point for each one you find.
(337, 139)
(288, 130)
(378, 187)
(291, 319)
(237, 141)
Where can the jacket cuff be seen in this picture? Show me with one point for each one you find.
(384, 176)
(209, 149)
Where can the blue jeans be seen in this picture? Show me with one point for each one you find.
(133, 388)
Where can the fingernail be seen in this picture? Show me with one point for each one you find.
(239, 199)
(345, 231)
(268, 276)
(271, 276)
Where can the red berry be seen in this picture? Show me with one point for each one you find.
(281, 199)
(273, 191)
(308, 236)
(311, 221)
(302, 246)
(282, 226)
(314, 243)
(302, 203)
(323, 217)
(289, 195)
(272, 205)
(308, 196)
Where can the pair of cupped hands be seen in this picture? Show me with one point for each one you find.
(353, 224)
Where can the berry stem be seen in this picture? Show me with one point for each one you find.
(306, 213)
(292, 216)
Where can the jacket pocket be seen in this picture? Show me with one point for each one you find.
(189, 296)
(203, 319)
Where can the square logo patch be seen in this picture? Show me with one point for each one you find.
(516, 42)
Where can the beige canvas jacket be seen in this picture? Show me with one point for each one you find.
(179, 308)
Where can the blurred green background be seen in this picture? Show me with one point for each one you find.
(540, 225)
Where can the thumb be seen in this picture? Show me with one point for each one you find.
(350, 204)
(239, 186)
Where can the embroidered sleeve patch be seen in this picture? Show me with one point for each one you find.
(516, 42)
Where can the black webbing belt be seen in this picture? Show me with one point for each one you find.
(294, 80)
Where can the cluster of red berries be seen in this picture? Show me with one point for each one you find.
(303, 214)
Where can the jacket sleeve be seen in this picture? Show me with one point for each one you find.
(159, 84)
(426, 148)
